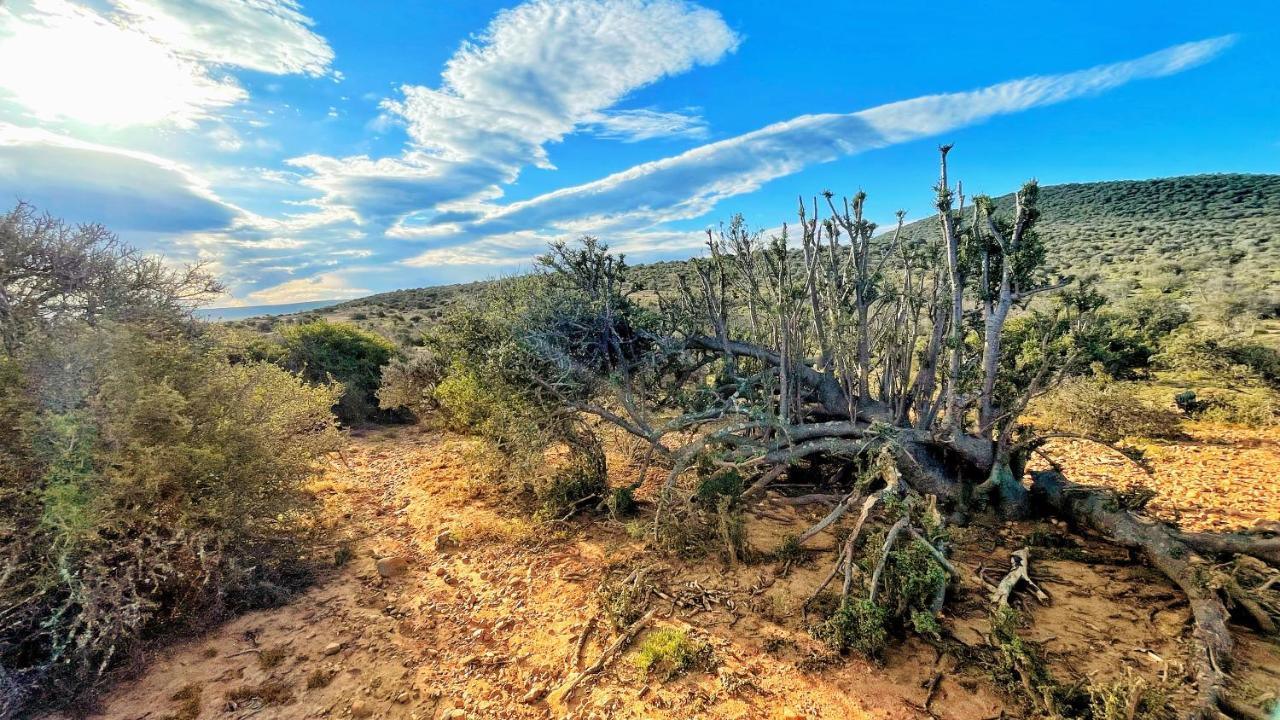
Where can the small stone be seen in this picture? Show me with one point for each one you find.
(392, 566)
(534, 695)
(361, 709)
(792, 714)
(332, 649)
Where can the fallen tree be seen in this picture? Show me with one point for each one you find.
(893, 369)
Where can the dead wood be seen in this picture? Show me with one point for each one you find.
(1167, 552)
(1019, 572)
(562, 693)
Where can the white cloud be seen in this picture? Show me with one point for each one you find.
(124, 190)
(147, 61)
(691, 184)
(645, 124)
(546, 66)
(325, 286)
(539, 72)
(270, 36)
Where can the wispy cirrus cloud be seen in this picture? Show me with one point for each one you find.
(646, 124)
(693, 183)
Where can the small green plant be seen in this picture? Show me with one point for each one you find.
(1128, 699)
(565, 490)
(857, 625)
(343, 554)
(731, 530)
(622, 502)
(789, 550)
(724, 484)
(188, 699)
(926, 625)
(1017, 665)
(669, 652)
(270, 692)
(623, 601)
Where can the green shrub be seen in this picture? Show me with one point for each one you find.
(858, 625)
(1256, 408)
(325, 352)
(1127, 699)
(622, 502)
(1105, 409)
(669, 653)
(150, 485)
(566, 489)
(723, 484)
(409, 383)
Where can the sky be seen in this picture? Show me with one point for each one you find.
(329, 150)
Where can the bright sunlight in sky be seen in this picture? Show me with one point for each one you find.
(335, 149)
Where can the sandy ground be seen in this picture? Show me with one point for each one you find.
(483, 624)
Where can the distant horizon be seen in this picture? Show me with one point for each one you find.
(318, 151)
(328, 302)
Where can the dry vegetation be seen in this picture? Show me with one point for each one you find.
(837, 473)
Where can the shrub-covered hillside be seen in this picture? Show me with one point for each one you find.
(1208, 235)
(1212, 241)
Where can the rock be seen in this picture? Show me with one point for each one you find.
(389, 567)
(444, 540)
(454, 714)
(332, 649)
(361, 709)
(534, 695)
(792, 714)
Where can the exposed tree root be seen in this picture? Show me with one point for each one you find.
(558, 696)
(1019, 572)
(1174, 555)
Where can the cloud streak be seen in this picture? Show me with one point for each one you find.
(127, 191)
(691, 184)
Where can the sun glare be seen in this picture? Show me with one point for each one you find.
(62, 62)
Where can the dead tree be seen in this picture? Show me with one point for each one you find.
(849, 350)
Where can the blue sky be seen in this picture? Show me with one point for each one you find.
(333, 149)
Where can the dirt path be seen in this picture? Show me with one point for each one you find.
(482, 610)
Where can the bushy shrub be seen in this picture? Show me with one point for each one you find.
(149, 484)
(1253, 408)
(1105, 409)
(1225, 355)
(325, 352)
(669, 652)
(409, 383)
(858, 625)
(580, 480)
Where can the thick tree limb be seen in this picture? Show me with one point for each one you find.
(889, 541)
(562, 693)
(1265, 549)
(1167, 553)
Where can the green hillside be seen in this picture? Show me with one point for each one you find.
(1212, 241)
(1210, 236)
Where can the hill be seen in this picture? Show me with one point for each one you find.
(1199, 233)
(1211, 240)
